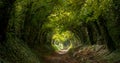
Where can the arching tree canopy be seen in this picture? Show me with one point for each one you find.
(32, 29)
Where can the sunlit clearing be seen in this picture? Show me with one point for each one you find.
(61, 41)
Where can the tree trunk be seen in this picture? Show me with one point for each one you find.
(12, 49)
(90, 33)
(5, 9)
(105, 34)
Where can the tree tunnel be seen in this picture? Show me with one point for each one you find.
(30, 30)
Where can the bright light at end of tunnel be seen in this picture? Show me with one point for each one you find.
(61, 42)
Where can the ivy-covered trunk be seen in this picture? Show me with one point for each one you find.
(12, 48)
(5, 10)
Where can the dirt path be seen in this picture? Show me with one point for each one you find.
(81, 56)
(59, 58)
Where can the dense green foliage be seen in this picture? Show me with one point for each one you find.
(28, 27)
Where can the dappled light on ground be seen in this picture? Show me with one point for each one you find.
(62, 51)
